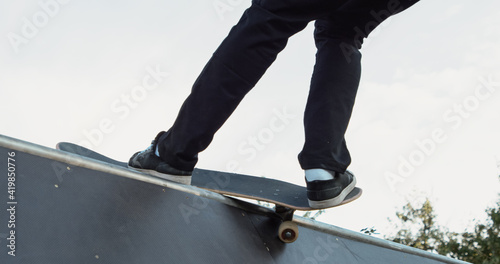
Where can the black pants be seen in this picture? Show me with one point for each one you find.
(251, 47)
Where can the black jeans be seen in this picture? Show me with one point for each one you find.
(251, 47)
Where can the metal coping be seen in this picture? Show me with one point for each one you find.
(80, 161)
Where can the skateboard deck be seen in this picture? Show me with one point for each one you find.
(251, 187)
(286, 196)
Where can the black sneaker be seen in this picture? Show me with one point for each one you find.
(329, 193)
(147, 161)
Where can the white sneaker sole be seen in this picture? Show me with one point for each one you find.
(175, 178)
(336, 200)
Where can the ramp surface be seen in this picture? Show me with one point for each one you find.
(70, 214)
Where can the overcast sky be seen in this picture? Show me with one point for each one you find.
(425, 124)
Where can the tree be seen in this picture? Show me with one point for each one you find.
(419, 229)
(482, 246)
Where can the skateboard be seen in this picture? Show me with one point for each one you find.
(286, 197)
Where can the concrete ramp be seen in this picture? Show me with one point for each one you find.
(62, 209)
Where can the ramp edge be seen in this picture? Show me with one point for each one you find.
(76, 160)
(88, 163)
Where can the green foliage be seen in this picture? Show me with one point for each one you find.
(482, 246)
(369, 231)
(419, 229)
(309, 214)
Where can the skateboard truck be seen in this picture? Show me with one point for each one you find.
(288, 231)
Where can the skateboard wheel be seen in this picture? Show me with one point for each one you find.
(288, 232)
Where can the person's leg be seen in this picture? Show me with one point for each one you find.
(241, 60)
(236, 66)
(333, 89)
(334, 84)
(335, 80)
